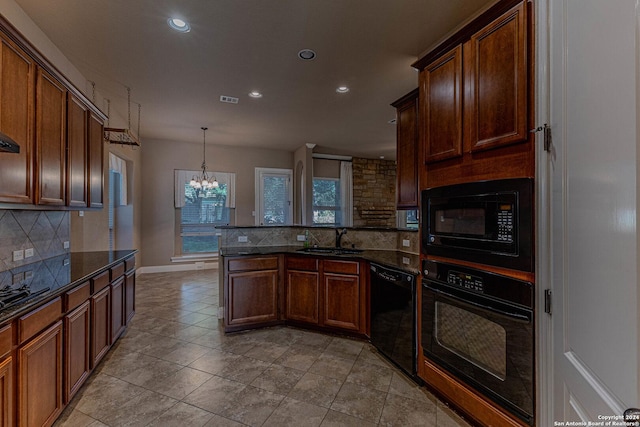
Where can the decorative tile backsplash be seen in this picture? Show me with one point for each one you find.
(362, 238)
(44, 231)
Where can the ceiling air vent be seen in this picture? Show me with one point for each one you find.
(229, 99)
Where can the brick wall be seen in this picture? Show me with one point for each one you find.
(374, 193)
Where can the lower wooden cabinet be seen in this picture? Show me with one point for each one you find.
(77, 357)
(302, 296)
(129, 296)
(342, 301)
(100, 325)
(118, 319)
(6, 393)
(253, 297)
(40, 378)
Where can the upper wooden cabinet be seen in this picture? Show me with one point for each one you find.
(96, 161)
(77, 140)
(441, 107)
(58, 129)
(51, 109)
(495, 63)
(407, 151)
(17, 82)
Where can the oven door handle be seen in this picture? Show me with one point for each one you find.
(491, 308)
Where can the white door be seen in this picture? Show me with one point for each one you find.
(592, 227)
(274, 196)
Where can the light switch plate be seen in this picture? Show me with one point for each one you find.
(17, 278)
(406, 260)
(65, 245)
(28, 275)
(406, 243)
(300, 237)
(18, 255)
(28, 253)
(243, 239)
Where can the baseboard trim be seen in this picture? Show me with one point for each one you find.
(181, 267)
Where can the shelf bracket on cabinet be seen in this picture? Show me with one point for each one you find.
(546, 129)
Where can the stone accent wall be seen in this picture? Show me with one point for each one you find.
(374, 193)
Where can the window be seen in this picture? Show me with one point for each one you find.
(326, 201)
(273, 196)
(408, 219)
(203, 209)
(199, 211)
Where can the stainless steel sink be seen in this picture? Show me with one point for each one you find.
(331, 251)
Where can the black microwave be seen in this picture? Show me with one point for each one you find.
(488, 222)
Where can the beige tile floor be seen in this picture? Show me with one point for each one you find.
(175, 367)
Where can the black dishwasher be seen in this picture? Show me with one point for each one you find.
(393, 316)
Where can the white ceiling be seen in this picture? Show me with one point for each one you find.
(237, 46)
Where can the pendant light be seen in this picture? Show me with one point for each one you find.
(203, 181)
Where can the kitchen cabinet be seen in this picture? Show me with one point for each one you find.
(77, 139)
(40, 378)
(51, 108)
(59, 131)
(407, 151)
(6, 392)
(17, 85)
(77, 356)
(129, 296)
(96, 161)
(495, 64)
(302, 289)
(100, 325)
(118, 318)
(328, 293)
(441, 107)
(476, 104)
(344, 296)
(252, 292)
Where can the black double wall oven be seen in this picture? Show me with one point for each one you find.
(476, 324)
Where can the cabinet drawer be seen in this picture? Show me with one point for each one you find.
(32, 323)
(302, 263)
(117, 271)
(77, 296)
(129, 263)
(100, 281)
(253, 264)
(6, 340)
(346, 267)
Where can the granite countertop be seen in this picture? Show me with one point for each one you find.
(396, 259)
(50, 277)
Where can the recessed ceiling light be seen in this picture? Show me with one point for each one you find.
(179, 25)
(255, 94)
(342, 89)
(306, 54)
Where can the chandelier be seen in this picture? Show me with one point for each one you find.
(203, 180)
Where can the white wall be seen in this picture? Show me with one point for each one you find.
(161, 157)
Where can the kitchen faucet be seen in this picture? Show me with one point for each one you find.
(339, 234)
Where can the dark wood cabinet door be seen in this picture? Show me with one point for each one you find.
(407, 152)
(96, 161)
(302, 292)
(77, 356)
(441, 104)
(100, 325)
(51, 108)
(129, 296)
(77, 156)
(495, 62)
(252, 297)
(342, 301)
(6, 390)
(17, 82)
(40, 378)
(118, 319)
